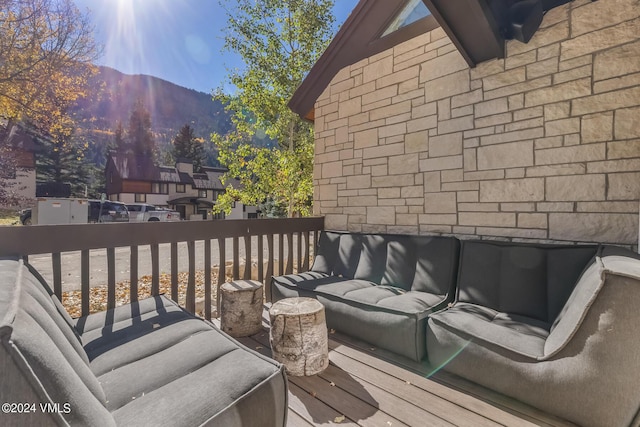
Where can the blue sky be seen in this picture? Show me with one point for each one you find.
(177, 40)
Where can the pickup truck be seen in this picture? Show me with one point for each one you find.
(143, 212)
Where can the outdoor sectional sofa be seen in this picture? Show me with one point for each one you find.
(147, 363)
(555, 326)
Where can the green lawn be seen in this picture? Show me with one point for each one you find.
(9, 217)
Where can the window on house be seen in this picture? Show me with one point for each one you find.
(140, 198)
(412, 12)
(160, 188)
(180, 188)
(202, 193)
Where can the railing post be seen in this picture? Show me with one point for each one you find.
(56, 266)
(207, 279)
(222, 271)
(190, 303)
(155, 269)
(85, 286)
(174, 271)
(133, 276)
(111, 278)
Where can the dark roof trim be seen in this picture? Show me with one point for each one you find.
(358, 38)
(471, 26)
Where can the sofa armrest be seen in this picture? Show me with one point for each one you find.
(585, 293)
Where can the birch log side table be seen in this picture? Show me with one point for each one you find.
(298, 336)
(241, 308)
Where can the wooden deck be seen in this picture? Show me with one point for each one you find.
(371, 387)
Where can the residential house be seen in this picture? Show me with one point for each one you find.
(428, 121)
(136, 179)
(22, 147)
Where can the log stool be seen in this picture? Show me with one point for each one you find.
(241, 308)
(298, 336)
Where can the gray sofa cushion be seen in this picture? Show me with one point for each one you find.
(378, 288)
(147, 363)
(586, 371)
(533, 281)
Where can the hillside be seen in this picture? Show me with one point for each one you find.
(171, 106)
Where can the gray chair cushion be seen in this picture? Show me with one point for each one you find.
(146, 363)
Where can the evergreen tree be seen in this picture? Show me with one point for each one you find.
(119, 143)
(139, 131)
(187, 146)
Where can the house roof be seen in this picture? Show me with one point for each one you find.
(142, 168)
(476, 27)
(16, 137)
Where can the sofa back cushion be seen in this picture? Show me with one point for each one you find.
(524, 279)
(418, 263)
(38, 340)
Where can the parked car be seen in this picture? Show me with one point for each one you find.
(143, 212)
(107, 211)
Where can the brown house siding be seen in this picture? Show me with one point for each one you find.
(136, 187)
(543, 145)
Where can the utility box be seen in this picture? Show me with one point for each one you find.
(53, 211)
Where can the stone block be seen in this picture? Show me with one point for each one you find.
(574, 74)
(440, 203)
(488, 175)
(556, 170)
(332, 169)
(407, 163)
(608, 207)
(377, 69)
(524, 124)
(447, 86)
(627, 122)
(432, 181)
(416, 142)
(359, 181)
(423, 123)
(506, 78)
(478, 207)
(503, 156)
(520, 60)
(623, 149)
(389, 193)
(624, 186)
(617, 83)
(488, 108)
(385, 215)
(442, 66)
(383, 150)
(594, 227)
(445, 145)
(618, 61)
(487, 219)
(470, 159)
(350, 107)
(562, 127)
(398, 77)
(573, 188)
(579, 153)
(512, 190)
(594, 41)
(520, 135)
(560, 92)
(392, 181)
(390, 110)
(595, 16)
(335, 221)
(555, 207)
(623, 165)
(413, 192)
(367, 138)
(497, 119)
(392, 130)
(606, 101)
(465, 99)
(597, 128)
(528, 113)
(517, 207)
(437, 219)
(441, 163)
(558, 110)
(542, 68)
(532, 220)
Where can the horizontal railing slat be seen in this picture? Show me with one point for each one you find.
(46, 239)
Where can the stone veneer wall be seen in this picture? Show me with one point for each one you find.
(544, 144)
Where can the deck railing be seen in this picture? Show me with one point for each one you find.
(58, 239)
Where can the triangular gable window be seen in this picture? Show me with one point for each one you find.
(412, 12)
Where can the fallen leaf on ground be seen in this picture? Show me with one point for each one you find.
(339, 419)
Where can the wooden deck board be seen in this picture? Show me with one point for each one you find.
(364, 386)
